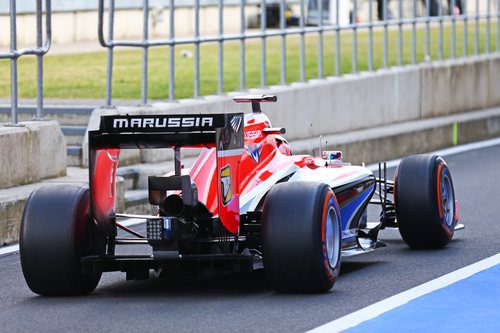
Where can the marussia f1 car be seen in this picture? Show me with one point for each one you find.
(246, 203)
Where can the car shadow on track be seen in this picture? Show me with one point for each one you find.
(228, 285)
(231, 285)
(349, 267)
(244, 285)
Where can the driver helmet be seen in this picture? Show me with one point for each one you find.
(283, 145)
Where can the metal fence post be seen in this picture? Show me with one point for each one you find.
(354, 37)
(414, 34)
(283, 41)
(488, 27)
(465, 43)
(109, 70)
(303, 42)
(263, 50)
(476, 29)
(144, 85)
(400, 32)
(337, 40)
(13, 62)
(498, 25)
(320, 39)
(220, 50)
(370, 35)
(39, 60)
(171, 49)
(427, 30)
(196, 48)
(242, 45)
(440, 14)
(453, 28)
(386, 55)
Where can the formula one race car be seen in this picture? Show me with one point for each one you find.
(246, 203)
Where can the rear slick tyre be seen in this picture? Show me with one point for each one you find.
(425, 202)
(55, 235)
(302, 241)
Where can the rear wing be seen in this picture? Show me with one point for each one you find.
(157, 131)
(221, 131)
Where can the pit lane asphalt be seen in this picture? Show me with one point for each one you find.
(246, 302)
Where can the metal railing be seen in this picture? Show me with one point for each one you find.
(322, 26)
(40, 50)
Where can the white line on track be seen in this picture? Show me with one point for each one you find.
(373, 167)
(355, 318)
(9, 249)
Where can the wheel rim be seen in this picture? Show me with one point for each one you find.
(447, 200)
(332, 237)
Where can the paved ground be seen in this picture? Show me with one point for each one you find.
(246, 303)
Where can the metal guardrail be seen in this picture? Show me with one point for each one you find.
(283, 31)
(41, 49)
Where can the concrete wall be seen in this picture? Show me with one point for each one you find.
(10, 222)
(33, 151)
(411, 137)
(354, 102)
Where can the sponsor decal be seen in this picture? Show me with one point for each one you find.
(162, 122)
(236, 123)
(225, 184)
(254, 151)
(251, 135)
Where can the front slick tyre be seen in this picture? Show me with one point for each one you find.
(425, 202)
(301, 237)
(54, 237)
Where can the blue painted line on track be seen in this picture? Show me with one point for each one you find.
(469, 305)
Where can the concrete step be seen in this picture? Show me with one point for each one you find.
(74, 138)
(13, 199)
(73, 134)
(136, 176)
(137, 202)
(73, 121)
(74, 155)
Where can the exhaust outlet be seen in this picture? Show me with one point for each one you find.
(173, 205)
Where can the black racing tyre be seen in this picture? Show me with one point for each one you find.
(302, 237)
(55, 235)
(425, 202)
